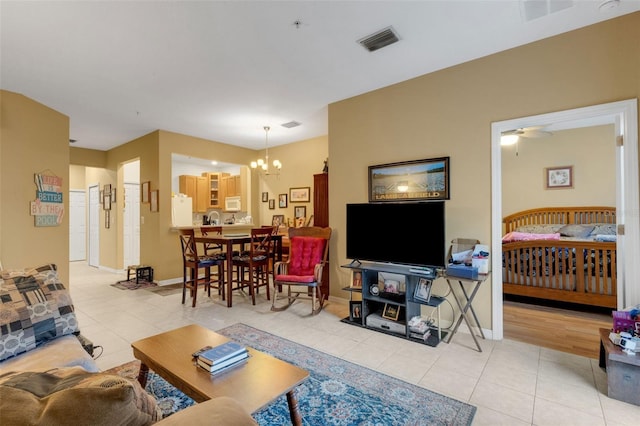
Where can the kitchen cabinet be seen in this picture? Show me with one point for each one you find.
(215, 191)
(232, 186)
(196, 188)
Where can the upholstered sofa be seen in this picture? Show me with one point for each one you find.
(47, 376)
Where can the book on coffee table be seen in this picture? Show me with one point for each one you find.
(221, 353)
(224, 365)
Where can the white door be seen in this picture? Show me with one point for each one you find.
(77, 225)
(131, 224)
(94, 226)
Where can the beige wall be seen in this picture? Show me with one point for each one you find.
(34, 139)
(449, 113)
(591, 152)
(77, 177)
(158, 244)
(300, 161)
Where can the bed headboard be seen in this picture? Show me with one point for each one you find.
(563, 215)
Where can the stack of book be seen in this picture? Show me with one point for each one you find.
(223, 357)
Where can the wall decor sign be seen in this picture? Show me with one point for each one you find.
(418, 180)
(559, 177)
(272, 204)
(154, 200)
(300, 211)
(300, 195)
(48, 208)
(265, 197)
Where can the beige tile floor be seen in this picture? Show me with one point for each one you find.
(511, 383)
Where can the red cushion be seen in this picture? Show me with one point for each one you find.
(296, 278)
(305, 254)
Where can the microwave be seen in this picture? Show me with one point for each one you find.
(232, 204)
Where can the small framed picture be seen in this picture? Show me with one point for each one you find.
(272, 204)
(355, 311)
(423, 290)
(144, 188)
(300, 195)
(559, 177)
(282, 201)
(391, 312)
(356, 278)
(106, 201)
(107, 219)
(265, 197)
(300, 211)
(277, 220)
(154, 200)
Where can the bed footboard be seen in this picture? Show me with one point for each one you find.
(570, 271)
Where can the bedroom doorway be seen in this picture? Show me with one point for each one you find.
(623, 116)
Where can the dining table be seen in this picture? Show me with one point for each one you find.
(228, 241)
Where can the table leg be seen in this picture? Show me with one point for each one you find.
(229, 273)
(294, 413)
(463, 313)
(469, 299)
(143, 374)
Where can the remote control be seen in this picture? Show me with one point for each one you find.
(197, 353)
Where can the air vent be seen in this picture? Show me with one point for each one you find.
(380, 39)
(290, 124)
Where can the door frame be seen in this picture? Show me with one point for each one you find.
(90, 221)
(624, 116)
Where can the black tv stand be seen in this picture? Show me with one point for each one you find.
(375, 303)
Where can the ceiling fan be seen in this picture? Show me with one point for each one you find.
(509, 137)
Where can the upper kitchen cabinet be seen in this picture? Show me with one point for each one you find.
(215, 190)
(231, 186)
(195, 187)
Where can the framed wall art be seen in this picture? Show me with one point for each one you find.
(144, 196)
(265, 197)
(418, 180)
(300, 195)
(154, 200)
(282, 201)
(272, 204)
(559, 177)
(300, 211)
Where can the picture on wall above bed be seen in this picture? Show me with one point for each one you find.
(559, 177)
(418, 180)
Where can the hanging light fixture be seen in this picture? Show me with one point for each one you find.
(263, 165)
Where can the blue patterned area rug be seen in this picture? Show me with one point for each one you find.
(337, 392)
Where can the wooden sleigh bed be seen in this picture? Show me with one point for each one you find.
(545, 259)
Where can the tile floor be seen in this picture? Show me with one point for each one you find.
(511, 383)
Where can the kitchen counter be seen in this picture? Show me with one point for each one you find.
(232, 229)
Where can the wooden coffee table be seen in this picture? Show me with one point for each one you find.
(254, 384)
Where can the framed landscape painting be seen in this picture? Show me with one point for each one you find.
(419, 180)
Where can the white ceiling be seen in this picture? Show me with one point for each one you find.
(223, 70)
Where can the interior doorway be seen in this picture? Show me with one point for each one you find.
(623, 115)
(131, 214)
(77, 225)
(94, 226)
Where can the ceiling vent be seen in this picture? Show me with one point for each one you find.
(290, 124)
(379, 39)
(534, 9)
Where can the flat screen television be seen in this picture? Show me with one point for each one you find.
(402, 233)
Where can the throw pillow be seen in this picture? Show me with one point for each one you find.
(34, 307)
(75, 397)
(577, 231)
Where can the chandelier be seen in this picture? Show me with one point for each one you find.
(263, 165)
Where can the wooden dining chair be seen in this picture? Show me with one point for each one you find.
(192, 263)
(252, 266)
(217, 252)
(308, 251)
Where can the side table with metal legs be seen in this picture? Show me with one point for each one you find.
(465, 304)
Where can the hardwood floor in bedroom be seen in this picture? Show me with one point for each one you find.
(555, 328)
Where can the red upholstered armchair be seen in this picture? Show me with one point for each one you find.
(308, 250)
